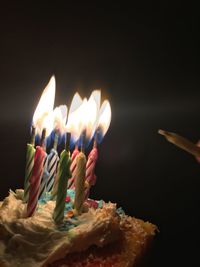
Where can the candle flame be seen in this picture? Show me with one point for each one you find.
(74, 122)
(96, 94)
(91, 111)
(60, 117)
(45, 105)
(104, 118)
(48, 123)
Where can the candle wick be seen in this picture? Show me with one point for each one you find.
(67, 145)
(55, 144)
(76, 146)
(32, 135)
(95, 139)
(95, 143)
(43, 138)
(83, 141)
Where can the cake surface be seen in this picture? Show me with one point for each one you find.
(125, 252)
(101, 235)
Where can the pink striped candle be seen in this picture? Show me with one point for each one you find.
(71, 182)
(44, 178)
(90, 178)
(35, 180)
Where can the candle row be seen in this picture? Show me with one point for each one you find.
(87, 119)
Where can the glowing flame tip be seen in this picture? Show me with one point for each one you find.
(104, 118)
(45, 105)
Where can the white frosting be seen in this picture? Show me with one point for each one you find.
(34, 241)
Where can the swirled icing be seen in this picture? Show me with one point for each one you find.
(37, 240)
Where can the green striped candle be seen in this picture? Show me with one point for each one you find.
(30, 153)
(63, 175)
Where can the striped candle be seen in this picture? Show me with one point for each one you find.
(55, 184)
(80, 183)
(63, 175)
(71, 182)
(44, 178)
(35, 180)
(30, 152)
(90, 167)
(53, 160)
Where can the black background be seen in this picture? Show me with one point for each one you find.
(145, 60)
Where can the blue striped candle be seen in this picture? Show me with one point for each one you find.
(52, 164)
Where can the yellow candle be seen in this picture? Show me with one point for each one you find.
(80, 183)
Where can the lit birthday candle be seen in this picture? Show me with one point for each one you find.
(88, 119)
(103, 123)
(93, 156)
(74, 126)
(60, 116)
(44, 107)
(41, 111)
(63, 175)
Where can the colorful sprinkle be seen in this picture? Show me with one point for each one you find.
(100, 204)
(70, 214)
(68, 199)
(92, 203)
